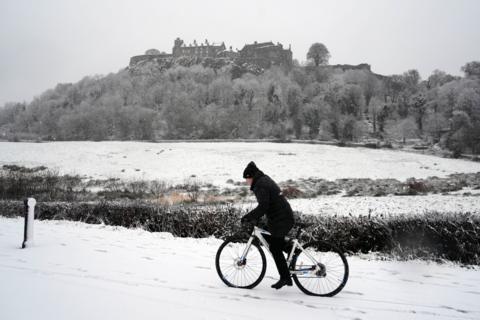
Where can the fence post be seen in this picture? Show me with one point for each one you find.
(29, 217)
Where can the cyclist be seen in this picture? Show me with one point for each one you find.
(273, 204)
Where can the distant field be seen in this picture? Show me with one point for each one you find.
(217, 162)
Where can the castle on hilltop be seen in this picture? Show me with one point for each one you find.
(265, 54)
(202, 50)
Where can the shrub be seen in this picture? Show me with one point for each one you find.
(42, 183)
(292, 192)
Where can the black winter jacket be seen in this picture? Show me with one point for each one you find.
(271, 203)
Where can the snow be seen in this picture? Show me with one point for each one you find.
(466, 191)
(388, 205)
(217, 162)
(80, 271)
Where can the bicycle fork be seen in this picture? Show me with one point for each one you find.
(243, 257)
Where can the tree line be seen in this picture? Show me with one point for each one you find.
(206, 100)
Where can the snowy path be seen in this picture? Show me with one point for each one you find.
(79, 271)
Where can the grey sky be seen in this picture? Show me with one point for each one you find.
(45, 42)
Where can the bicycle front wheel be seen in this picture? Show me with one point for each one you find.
(320, 269)
(237, 272)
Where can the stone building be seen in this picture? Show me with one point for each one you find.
(228, 54)
(263, 54)
(201, 50)
(266, 54)
(150, 55)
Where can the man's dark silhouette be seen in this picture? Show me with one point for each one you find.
(273, 204)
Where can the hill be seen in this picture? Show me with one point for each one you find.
(205, 98)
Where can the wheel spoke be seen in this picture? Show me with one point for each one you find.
(335, 267)
(236, 273)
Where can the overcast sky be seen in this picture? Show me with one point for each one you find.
(55, 41)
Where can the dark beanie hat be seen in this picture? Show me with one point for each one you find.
(250, 170)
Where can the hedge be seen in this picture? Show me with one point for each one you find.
(454, 237)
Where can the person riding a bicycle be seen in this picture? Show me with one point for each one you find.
(317, 267)
(280, 220)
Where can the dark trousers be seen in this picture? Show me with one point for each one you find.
(277, 245)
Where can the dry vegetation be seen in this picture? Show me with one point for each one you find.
(44, 184)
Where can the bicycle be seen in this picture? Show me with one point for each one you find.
(318, 268)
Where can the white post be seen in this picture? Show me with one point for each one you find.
(29, 217)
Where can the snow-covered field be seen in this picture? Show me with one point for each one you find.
(217, 162)
(389, 205)
(79, 271)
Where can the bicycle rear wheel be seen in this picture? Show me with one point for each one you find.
(234, 272)
(320, 270)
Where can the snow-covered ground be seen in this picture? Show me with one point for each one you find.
(79, 271)
(217, 162)
(389, 205)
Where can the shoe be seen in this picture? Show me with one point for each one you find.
(281, 283)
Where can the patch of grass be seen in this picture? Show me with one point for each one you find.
(313, 187)
(17, 182)
(42, 183)
(292, 192)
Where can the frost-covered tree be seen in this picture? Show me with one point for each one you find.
(472, 69)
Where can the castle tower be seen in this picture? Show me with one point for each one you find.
(176, 47)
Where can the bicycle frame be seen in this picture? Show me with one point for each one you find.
(258, 233)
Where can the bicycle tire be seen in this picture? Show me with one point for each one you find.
(228, 268)
(335, 277)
